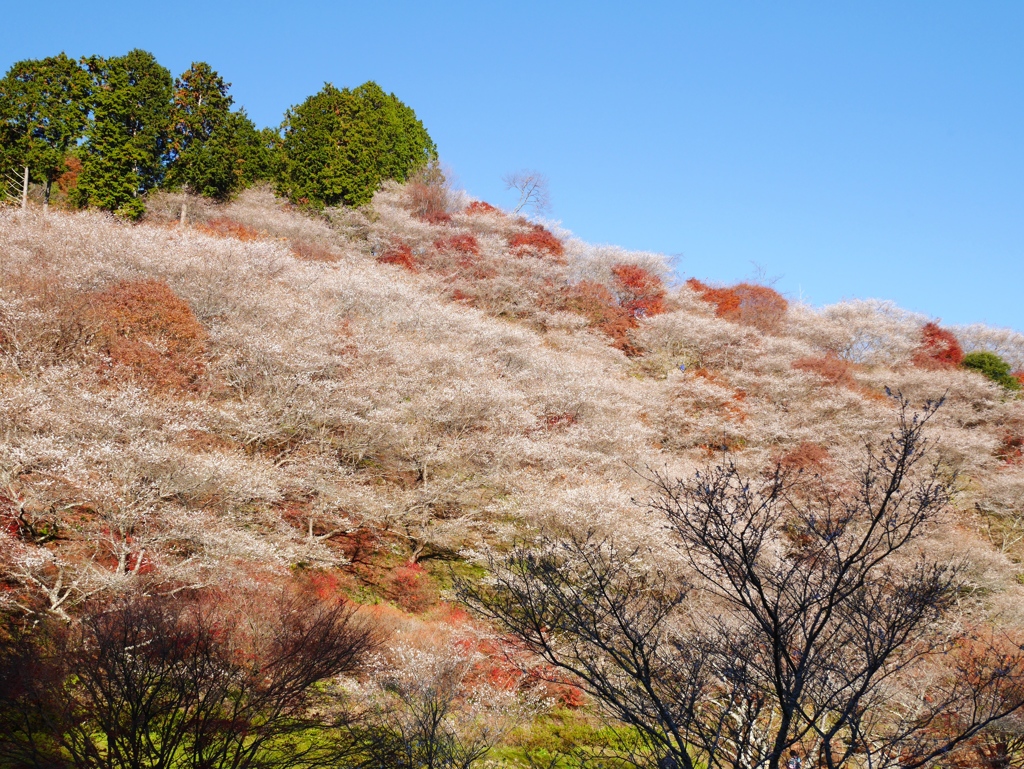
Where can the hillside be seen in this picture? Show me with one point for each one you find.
(363, 401)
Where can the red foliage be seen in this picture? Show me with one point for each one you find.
(560, 419)
(831, 368)
(400, 254)
(806, 456)
(150, 335)
(69, 179)
(1019, 376)
(412, 587)
(599, 306)
(939, 349)
(223, 227)
(641, 293)
(1011, 449)
(536, 241)
(480, 207)
(745, 303)
(458, 244)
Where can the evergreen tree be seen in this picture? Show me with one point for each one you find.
(213, 151)
(339, 145)
(44, 108)
(126, 150)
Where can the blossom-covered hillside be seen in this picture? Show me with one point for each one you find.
(362, 401)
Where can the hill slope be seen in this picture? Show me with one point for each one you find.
(262, 394)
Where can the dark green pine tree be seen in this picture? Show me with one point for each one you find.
(126, 150)
(44, 109)
(339, 145)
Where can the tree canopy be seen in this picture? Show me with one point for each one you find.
(339, 145)
(126, 151)
(44, 109)
(126, 128)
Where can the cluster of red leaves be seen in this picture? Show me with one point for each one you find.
(1011, 449)
(938, 349)
(400, 254)
(640, 292)
(480, 207)
(595, 302)
(1019, 376)
(69, 179)
(150, 335)
(745, 303)
(458, 244)
(805, 456)
(412, 588)
(830, 367)
(537, 240)
(223, 227)
(312, 252)
(614, 311)
(560, 419)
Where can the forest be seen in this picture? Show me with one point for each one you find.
(310, 459)
(103, 132)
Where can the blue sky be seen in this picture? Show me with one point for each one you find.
(862, 149)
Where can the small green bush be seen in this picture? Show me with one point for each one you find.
(992, 366)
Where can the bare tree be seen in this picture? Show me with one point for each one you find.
(160, 682)
(813, 622)
(532, 188)
(425, 712)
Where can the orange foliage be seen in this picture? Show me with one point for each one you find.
(459, 244)
(831, 368)
(806, 456)
(69, 179)
(312, 252)
(537, 240)
(745, 303)
(641, 293)
(598, 305)
(223, 227)
(939, 349)
(150, 335)
(480, 207)
(1011, 449)
(400, 254)
(412, 588)
(1019, 376)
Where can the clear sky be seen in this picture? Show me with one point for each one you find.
(857, 149)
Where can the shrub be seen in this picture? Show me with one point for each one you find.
(400, 254)
(480, 207)
(599, 306)
(992, 366)
(223, 227)
(536, 240)
(458, 244)
(745, 303)
(805, 456)
(412, 587)
(640, 293)
(1011, 448)
(312, 252)
(939, 349)
(150, 335)
(831, 368)
(430, 195)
